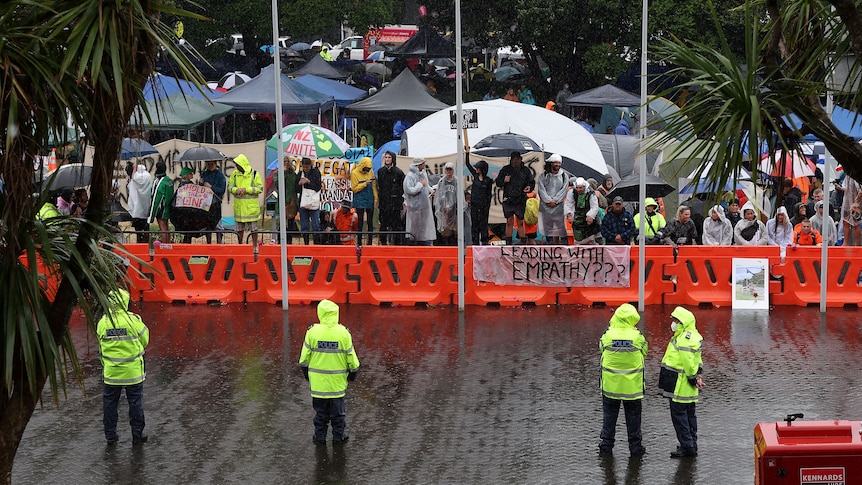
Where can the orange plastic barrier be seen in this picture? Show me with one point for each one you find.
(487, 293)
(315, 273)
(378, 275)
(405, 276)
(140, 277)
(703, 274)
(655, 285)
(194, 273)
(801, 276)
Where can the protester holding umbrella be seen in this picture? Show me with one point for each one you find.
(516, 180)
(213, 178)
(160, 208)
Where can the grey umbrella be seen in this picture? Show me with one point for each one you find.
(134, 148)
(68, 176)
(200, 154)
(629, 188)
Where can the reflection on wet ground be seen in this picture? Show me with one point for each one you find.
(498, 396)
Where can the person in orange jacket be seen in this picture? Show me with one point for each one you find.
(345, 220)
(805, 235)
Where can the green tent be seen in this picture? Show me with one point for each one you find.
(178, 112)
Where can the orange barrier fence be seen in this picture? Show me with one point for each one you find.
(703, 275)
(657, 258)
(407, 275)
(802, 270)
(315, 273)
(193, 273)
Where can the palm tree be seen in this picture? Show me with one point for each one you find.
(88, 60)
(791, 47)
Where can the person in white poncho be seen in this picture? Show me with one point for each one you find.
(749, 231)
(553, 187)
(779, 230)
(717, 229)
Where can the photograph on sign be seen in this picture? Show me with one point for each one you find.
(750, 280)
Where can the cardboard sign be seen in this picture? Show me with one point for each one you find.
(194, 196)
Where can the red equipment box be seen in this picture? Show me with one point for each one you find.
(793, 452)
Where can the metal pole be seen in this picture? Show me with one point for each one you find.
(824, 251)
(459, 166)
(282, 218)
(642, 160)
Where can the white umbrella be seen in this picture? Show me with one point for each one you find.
(233, 79)
(378, 56)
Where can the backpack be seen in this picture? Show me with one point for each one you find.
(531, 212)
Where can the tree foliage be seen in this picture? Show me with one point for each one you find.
(88, 61)
(586, 43)
(743, 102)
(302, 20)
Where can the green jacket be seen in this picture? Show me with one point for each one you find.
(623, 350)
(246, 207)
(123, 336)
(327, 354)
(163, 193)
(683, 357)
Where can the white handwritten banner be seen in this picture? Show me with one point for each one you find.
(605, 266)
(195, 196)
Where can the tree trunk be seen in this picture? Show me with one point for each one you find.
(15, 413)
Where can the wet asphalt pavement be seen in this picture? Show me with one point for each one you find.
(500, 396)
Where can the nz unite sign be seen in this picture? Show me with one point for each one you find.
(604, 266)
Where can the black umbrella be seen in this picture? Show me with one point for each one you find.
(200, 154)
(503, 144)
(629, 188)
(69, 176)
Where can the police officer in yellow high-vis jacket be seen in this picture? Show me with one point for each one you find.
(680, 379)
(123, 336)
(328, 360)
(623, 351)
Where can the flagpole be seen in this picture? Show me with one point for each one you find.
(642, 160)
(459, 167)
(282, 218)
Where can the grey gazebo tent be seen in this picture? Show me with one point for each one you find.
(258, 96)
(405, 94)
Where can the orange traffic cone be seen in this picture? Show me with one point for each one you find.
(52, 160)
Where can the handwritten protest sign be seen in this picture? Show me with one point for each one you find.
(194, 196)
(335, 175)
(603, 266)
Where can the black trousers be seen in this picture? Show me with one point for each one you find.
(479, 217)
(326, 412)
(390, 220)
